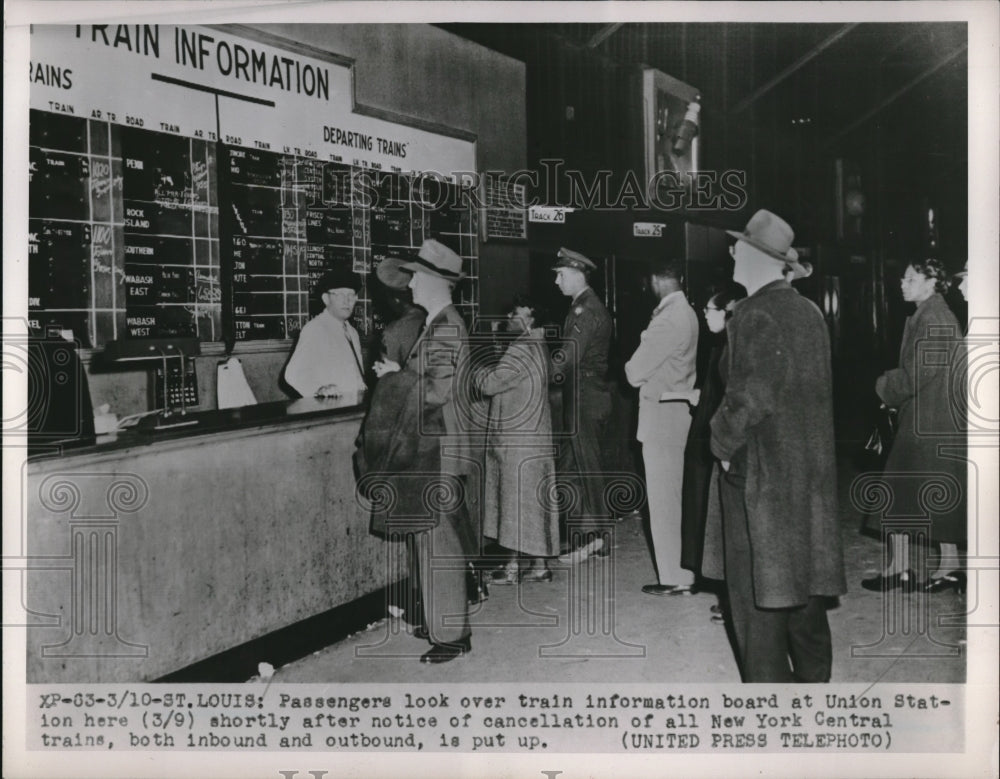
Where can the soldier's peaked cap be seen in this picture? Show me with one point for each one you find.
(571, 259)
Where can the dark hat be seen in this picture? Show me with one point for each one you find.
(571, 259)
(773, 236)
(340, 277)
(436, 259)
(390, 272)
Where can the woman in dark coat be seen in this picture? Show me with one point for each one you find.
(926, 467)
(519, 452)
(699, 463)
(402, 332)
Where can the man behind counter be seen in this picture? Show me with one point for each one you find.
(327, 357)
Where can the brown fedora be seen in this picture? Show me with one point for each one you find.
(773, 236)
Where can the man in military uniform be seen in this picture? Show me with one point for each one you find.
(586, 403)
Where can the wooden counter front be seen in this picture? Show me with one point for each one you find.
(148, 555)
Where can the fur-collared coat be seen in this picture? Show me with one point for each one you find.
(517, 509)
(775, 424)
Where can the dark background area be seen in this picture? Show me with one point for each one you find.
(790, 105)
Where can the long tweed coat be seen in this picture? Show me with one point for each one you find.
(776, 422)
(929, 446)
(517, 511)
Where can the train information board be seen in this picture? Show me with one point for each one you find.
(192, 181)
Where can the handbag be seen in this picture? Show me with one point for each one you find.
(879, 441)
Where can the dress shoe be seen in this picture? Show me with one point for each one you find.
(442, 653)
(716, 609)
(421, 633)
(683, 589)
(951, 581)
(533, 575)
(895, 581)
(578, 555)
(658, 589)
(718, 619)
(505, 576)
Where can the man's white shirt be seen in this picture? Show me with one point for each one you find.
(324, 355)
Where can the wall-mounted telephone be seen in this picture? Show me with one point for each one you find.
(183, 389)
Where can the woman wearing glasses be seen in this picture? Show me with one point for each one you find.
(698, 459)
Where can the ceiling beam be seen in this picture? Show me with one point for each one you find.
(603, 34)
(896, 95)
(791, 69)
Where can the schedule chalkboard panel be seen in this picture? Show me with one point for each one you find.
(290, 221)
(167, 280)
(142, 234)
(59, 185)
(123, 229)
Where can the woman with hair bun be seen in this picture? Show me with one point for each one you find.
(926, 467)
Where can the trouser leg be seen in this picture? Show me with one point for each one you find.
(413, 606)
(664, 484)
(761, 634)
(442, 570)
(809, 642)
(581, 463)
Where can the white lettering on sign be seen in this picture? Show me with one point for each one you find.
(549, 214)
(647, 230)
(72, 67)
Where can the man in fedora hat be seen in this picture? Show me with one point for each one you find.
(780, 550)
(586, 402)
(327, 357)
(446, 410)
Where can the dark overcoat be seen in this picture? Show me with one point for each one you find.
(700, 463)
(926, 467)
(398, 455)
(583, 369)
(520, 462)
(423, 435)
(776, 425)
(401, 334)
